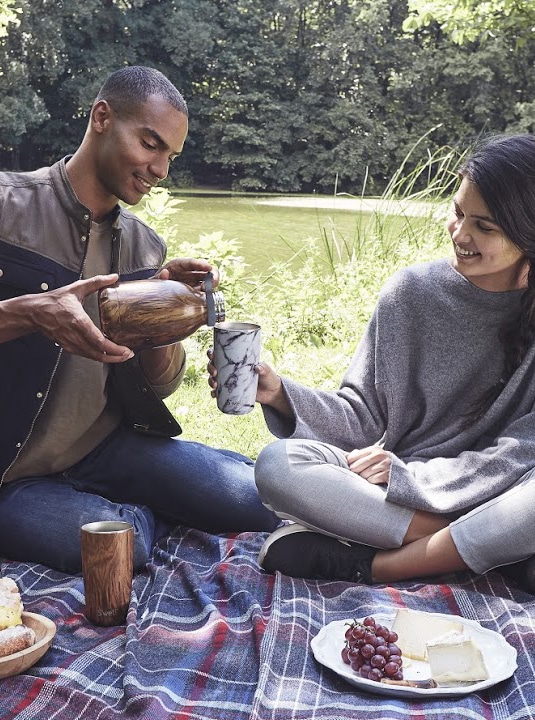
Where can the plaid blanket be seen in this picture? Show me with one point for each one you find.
(209, 636)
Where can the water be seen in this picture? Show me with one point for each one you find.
(272, 228)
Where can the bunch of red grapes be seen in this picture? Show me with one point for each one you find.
(371, 651)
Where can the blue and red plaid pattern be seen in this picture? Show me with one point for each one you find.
(209, 636)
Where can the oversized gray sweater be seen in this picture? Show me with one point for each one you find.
(429, 351)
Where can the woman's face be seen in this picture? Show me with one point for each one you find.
(483, 253)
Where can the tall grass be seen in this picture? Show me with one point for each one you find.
(312, 313)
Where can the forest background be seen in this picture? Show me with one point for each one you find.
(343, 97)
(285, 95)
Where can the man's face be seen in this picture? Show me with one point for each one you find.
(136, 150)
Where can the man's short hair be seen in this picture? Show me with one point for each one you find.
(129, 87)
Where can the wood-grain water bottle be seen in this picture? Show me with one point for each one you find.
(143, 314)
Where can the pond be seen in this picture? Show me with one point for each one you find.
(273, 228)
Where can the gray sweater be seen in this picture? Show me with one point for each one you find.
(429, 351)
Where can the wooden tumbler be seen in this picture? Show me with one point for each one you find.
(107, 568)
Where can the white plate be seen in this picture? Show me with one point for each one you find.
(499, 657)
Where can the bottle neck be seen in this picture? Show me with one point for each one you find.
(215, 307)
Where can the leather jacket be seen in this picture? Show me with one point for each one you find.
(43, 235)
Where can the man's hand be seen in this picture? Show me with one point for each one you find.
(60, 316)
(372, 463)
(189, 271)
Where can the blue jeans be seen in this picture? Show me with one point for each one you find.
(153, 483)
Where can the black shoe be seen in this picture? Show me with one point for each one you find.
(296, 551)
(523, 573)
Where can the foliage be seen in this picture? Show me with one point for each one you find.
(285, 96)
(161, 211)
(8, 14)
(470, 20)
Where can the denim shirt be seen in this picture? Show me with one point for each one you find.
(44, 230)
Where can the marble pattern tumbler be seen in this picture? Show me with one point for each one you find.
(236, 352)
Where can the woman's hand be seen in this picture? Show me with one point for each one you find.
(372, 463)
(212, 372)
(270, 390)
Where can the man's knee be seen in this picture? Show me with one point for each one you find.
(142, 520)
(69, 560)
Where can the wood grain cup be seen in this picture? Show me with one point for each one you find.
(107, 569)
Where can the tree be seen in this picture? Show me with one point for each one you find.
(299, 92)
(52, 64)
(474, 20)
(290, 95)
(8, 14)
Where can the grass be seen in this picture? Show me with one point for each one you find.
(310, 279)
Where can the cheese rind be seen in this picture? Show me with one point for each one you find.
(455, 658)
(415, 629)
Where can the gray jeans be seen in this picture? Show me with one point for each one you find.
(310, 483)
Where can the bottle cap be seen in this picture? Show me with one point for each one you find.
(215, 306)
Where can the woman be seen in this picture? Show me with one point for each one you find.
(423, 462)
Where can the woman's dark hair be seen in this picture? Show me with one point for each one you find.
(127, 88)
(503, 169)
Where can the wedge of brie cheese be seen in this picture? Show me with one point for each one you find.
(455, 658)
(415, 629)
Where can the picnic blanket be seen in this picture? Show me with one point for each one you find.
(210, 636)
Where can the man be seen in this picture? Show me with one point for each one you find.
(85, 433)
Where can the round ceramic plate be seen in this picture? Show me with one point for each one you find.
(20, 661)
(499, 657)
